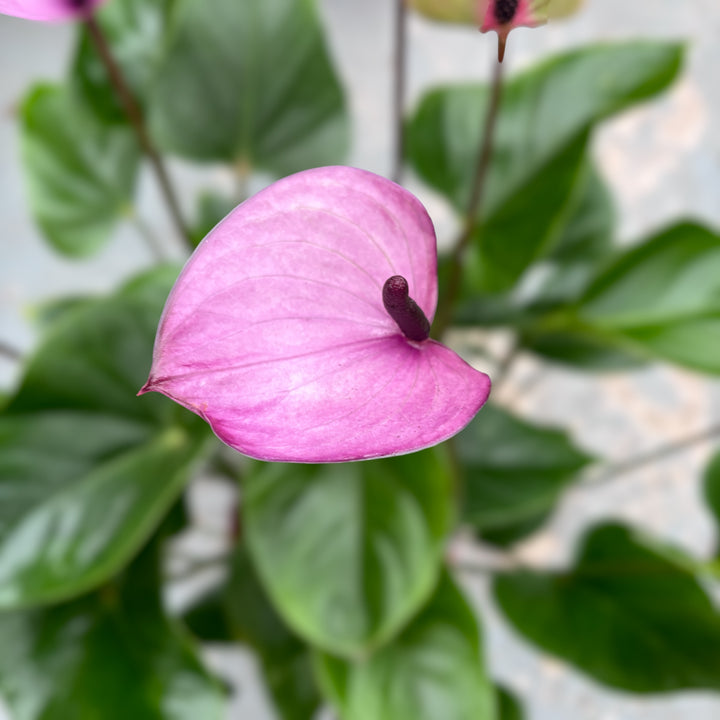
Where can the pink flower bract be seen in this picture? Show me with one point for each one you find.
(277, 335)
(48, 10)
(504, 15)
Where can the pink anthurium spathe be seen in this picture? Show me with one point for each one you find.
(299, 327)
(504, 15)
(48, 10)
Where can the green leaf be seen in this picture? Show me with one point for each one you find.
(135, 31)
(87, 469)
(544, 117)
(250, 83)
(658, 300)
(349, 552)
(433, 669)
(627, 614)
(80, 174)
(513, 471)
(111, 655)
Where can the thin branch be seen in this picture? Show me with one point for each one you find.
(135, 116)
(400, 81)
(9, 352)
(634, 463)
(482, 166)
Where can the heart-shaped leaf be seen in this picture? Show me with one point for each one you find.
(349, 552)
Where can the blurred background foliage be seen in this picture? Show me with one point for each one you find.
(338, 578)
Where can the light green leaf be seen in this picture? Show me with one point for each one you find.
(349, 552)
(627, 614)
(250, 83)
(112, 655)
(87, 469)
(433, 669)
(513, 471)
(80, 174)
(135, 31)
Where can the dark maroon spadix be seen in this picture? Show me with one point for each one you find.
(404, 310)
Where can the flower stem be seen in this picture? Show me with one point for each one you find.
(135, 116)
(400, 77)
(482, 166)
(635, 463)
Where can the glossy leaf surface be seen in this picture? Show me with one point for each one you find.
(111, 655)
(88, 469)
(349, 552)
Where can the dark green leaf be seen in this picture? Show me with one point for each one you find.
(433, 669)
(349, 552)
(80, 174)
(626, 614)
(544, 117)
(88, 469)
(112, 655)
(513, 471)
(135, 31)
(250, 83)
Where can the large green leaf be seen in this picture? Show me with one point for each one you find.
(80, 174)
(626, 614)
(433, 669)
(135, 31)
(349, 552)
(111, 655)
(241, 612)
(659, 300)
(544, 117)
(250, 83)
(513, 471)
(87, 470)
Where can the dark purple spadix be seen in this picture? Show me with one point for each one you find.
(404, 310)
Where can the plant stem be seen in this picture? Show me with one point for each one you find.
(474, 206)
(634, 463)
(134, 114)
(400, 77)
(9, 352)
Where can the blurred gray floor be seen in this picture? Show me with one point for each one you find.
(663, 160)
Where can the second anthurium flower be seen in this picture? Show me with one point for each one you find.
(48, 10)
(299, 328)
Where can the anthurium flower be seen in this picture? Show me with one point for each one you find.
(504, 15)
(299, 327)
(48, 10)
